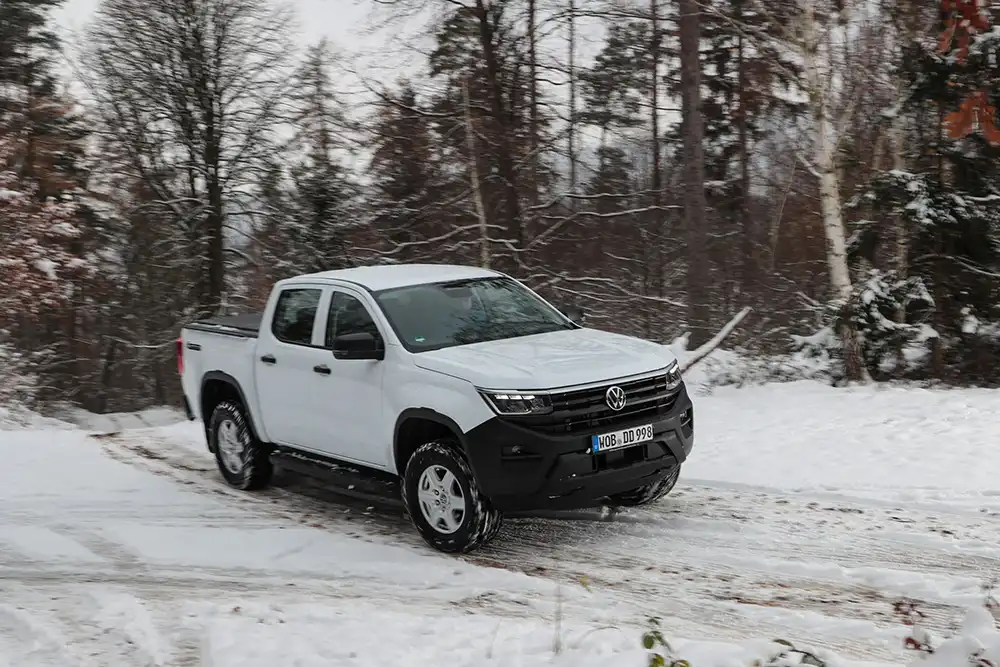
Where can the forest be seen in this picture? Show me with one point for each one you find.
(664, 164)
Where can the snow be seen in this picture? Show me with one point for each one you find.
(902, 442)
(803, 514)
(46, 266)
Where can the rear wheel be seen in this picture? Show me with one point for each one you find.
(444, 501)
(649, 493)
(243, 460)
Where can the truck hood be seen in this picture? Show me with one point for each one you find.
(548, 361)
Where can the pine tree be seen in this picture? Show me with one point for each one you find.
(38, 267)
(478, 50)
(407, 185)
(322, 195)
(616, 89)
(27, 45)
(746, 82)
(45, 219)
(949, 206)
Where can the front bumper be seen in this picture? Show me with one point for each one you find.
(521, 469)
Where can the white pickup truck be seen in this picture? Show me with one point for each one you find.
(478, 395)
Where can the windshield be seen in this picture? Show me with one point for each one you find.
(438, 315)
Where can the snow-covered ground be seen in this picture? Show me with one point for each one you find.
(804, 513)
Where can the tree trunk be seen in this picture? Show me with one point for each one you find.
(533, 112)
(571, 130)
(694, 172)
(107, 370)
(505, 156)
(829, 192)
(477, 193)
(747, 227)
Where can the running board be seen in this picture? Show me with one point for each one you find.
(337, 476)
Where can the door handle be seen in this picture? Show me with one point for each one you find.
(269, 359)
(322, 370)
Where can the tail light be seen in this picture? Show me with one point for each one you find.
(180, 356)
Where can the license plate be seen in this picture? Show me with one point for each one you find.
(624, 438)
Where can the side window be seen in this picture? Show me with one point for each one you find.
(294, 315)
(348, 316)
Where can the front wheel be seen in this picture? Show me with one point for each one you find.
(648, 493)
(444, 501)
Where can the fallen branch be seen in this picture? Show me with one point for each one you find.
(710, 346)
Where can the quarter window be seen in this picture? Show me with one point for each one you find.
(348, 315)
(294, 316)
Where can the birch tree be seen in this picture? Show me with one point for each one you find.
(818, 32)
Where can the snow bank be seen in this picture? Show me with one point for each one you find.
(319, 636)
(14, 416)
(112, 422)
(914, 443)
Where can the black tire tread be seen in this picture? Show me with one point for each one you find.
(257, 466)
(484, 521)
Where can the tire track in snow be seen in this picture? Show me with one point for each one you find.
(745, 563)
(308, 504)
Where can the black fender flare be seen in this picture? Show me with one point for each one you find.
(427, 415)
(225, 378)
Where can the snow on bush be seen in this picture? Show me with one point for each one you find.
(775, 653)
(17, 388)
(735, 368)
(976, 642)
(36, 265)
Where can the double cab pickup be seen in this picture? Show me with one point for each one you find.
(473, 392)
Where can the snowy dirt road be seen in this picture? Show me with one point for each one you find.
(821, 569)
(129, 550)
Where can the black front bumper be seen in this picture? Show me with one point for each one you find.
(521, 469)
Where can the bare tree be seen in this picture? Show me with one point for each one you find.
(191, 92)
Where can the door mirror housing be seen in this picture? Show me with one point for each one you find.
(575, 314)
(358, 346)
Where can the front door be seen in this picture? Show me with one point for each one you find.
(349, 399)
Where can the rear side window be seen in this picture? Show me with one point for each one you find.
(294, 316)
(348, 316)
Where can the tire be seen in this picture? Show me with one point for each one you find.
(441, 468)
(246, 462)
(648, 493)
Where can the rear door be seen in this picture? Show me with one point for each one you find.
(289, 343)
(348, 400)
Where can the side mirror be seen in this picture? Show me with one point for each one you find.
(358, 346)
(575, 314)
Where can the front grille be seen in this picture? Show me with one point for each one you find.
(586, 409)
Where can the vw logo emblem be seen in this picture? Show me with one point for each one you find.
(615, 398)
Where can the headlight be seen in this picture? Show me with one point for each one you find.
(673, 376)
(518, 402)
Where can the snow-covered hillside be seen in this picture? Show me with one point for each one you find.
(804, 513)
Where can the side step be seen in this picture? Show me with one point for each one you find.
(338, 477)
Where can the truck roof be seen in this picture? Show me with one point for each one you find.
(389, 276)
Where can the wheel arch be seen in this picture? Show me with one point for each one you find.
(418, 426)
(216, 387)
